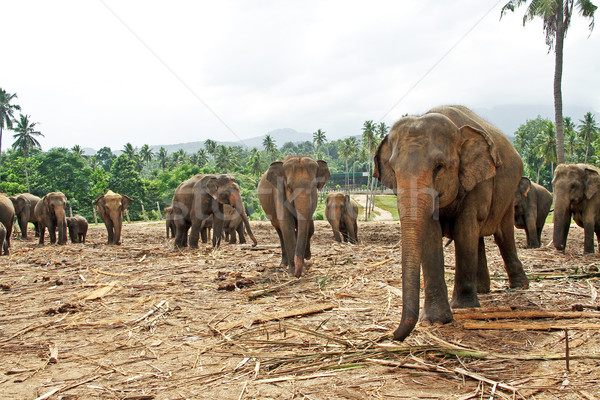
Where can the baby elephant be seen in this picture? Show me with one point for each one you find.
(232, 223)
(532, 205)
(341, 212)
(3, 242)
(78, 227)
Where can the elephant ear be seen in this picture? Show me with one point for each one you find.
(478, 157)
(592, 182)
(274, 172)
(209, 185)
(125, 202)
(99, 201)
(383, 170)
(323, 174)
(524, 186)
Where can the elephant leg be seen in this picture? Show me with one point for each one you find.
(23, 225)
(195, 233)
(436, 307)
(539, 234)
(204, 235)
(231, 234)
(110, 230)
(42, 233)
(531, 231)
(52, 233)
(217, 231)
(311, 231)
(240, 233)
(505, 239)
(598, 239)
(37, 229)
(335, 226)
(466, 244)
(483, 273)
(588, 243)
(284, 260)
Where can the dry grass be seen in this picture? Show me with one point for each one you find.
(142, 321)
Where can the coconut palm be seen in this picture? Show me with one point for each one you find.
(162, 158)
(370, 143)
(382, 130)
(130, 151)
(77, 150)
(556, 16)
(571, 141)
(588, 131)
(346, 150)
(146, 154)
(210, 146)
(6, 113)
(255, 162)
(270, 147)
(25, 140)
(546, 148)
(202, 159)
(319, 139)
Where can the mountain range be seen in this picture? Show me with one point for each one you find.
(506, 117)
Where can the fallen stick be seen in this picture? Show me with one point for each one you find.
(525, 314)
(296, 312)
(31, 328)
(380, 263)
(531, 326)
(65, 388)
(257, 293)
(97, 271)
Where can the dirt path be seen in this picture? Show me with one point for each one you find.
(379, 213)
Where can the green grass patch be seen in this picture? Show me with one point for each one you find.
(387, 203)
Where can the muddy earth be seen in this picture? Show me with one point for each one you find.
(145, 321)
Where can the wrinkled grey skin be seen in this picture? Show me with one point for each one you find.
(287, 193)
(78, 227)
(341, 212)
(455, 175)
(111, 207)
(24, 209)
(50, 213)
(532, 205)
(3, 242)
(577, 195)
(7, 216)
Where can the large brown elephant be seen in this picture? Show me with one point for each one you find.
(50, 213)
(201, 196)
(341, 212)
(455, 175)
(532, 205)
(577, 195)
(288, 194)
(111, 207)
(24, 209)
(7, 218)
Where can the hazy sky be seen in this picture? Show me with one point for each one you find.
(103, 73)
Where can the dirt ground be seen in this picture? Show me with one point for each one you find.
(143, 321)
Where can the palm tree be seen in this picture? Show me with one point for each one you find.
(382, 130)
(162, 158)
(202, 157)
(25, 140)
(255, 163)
(571, 142)
(547, 148)
(225, 159)
(346, 150)
(179, 157)
(146, 154)
(319, 139)
(130, 151)
(6, 113)
(556, 15)
(588, 131)
(77, 150)
(210, 146)
(270, 147)
(370, 142)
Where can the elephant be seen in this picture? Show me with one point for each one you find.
(78, 227)
(341, 212)
(287, 193)
(3, 242)
(232, 224)
(7, 217)
(50, 213)
(577, 195)
(24, 206)
(111, 206)
(532, 205)
(200, 197)
(169, 222)
(454, 175)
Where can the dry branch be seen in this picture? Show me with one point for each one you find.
(296, 312)
(529, 326)
(525, 314)
(257, 293)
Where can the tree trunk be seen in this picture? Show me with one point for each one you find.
(26, 175)
(558, 66)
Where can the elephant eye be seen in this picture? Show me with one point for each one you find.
(437, 168)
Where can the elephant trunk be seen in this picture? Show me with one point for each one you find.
(415, 205)
(236, 201)
(61, 225)
(562, 222)
(304, 212)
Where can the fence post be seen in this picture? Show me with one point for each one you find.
(158, 208)
(127, 216)
(95, 217)
(144, 213)
(70, 211)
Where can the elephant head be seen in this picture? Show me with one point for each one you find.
(297, 181)
(430, 163)
(341, 210)
(521, 201)
(54, 204)
(575, 186)
(223, 189)
(111, 208)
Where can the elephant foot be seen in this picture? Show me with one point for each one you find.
(483, 287)
(436, 315)
(465, 301)
(518, 280)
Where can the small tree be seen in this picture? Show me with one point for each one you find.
(25, 140)
(588, 131)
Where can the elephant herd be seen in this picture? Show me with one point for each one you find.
(454, 174)
(49, 212)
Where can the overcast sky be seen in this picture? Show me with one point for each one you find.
(104, 73)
